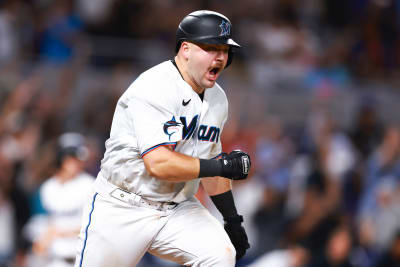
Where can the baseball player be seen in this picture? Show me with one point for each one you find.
(164, 141)
(61, 197)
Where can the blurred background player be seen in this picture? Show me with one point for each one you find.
(54, 230)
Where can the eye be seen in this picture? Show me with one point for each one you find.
(225, 50)
(210, 48)
(216, 48)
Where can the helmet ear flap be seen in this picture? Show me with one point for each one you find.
(230, 57)
(178, 45)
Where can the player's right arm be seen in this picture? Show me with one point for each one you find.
(166, 164)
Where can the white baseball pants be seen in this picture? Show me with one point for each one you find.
(118, 234)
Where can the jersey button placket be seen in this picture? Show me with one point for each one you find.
(204, 109)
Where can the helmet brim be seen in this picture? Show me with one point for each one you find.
(227, 41)
(233, 43)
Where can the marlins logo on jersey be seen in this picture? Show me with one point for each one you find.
(172, 127)
(185, 130)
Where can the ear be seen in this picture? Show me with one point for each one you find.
(185, 49)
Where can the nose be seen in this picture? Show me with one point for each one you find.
(222, 55)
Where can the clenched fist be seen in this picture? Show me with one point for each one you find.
(235, 165)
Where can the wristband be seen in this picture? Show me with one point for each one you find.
(210, 168)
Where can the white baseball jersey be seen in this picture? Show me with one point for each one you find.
(63, 203)
(159, 108)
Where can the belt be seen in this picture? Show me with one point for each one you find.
(136, 200)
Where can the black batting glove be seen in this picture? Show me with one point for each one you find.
(235, 165)
(237, 234)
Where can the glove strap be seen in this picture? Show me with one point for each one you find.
(234, 220)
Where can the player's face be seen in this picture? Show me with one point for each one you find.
(206, 62)
(72, 165)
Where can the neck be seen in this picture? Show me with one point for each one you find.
(186, 76)
(65, 175)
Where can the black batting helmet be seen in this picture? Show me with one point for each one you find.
(206, 27)
(71, 144)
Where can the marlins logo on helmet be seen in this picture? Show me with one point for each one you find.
(225, 28)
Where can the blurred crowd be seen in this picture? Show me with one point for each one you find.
(312, 97)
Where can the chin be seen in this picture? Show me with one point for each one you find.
(209, 84)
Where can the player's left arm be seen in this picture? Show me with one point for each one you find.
(216, 185)
(220, 191)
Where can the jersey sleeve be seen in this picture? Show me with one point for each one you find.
(154, 122)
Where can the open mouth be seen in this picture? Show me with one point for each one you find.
(214, 71)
